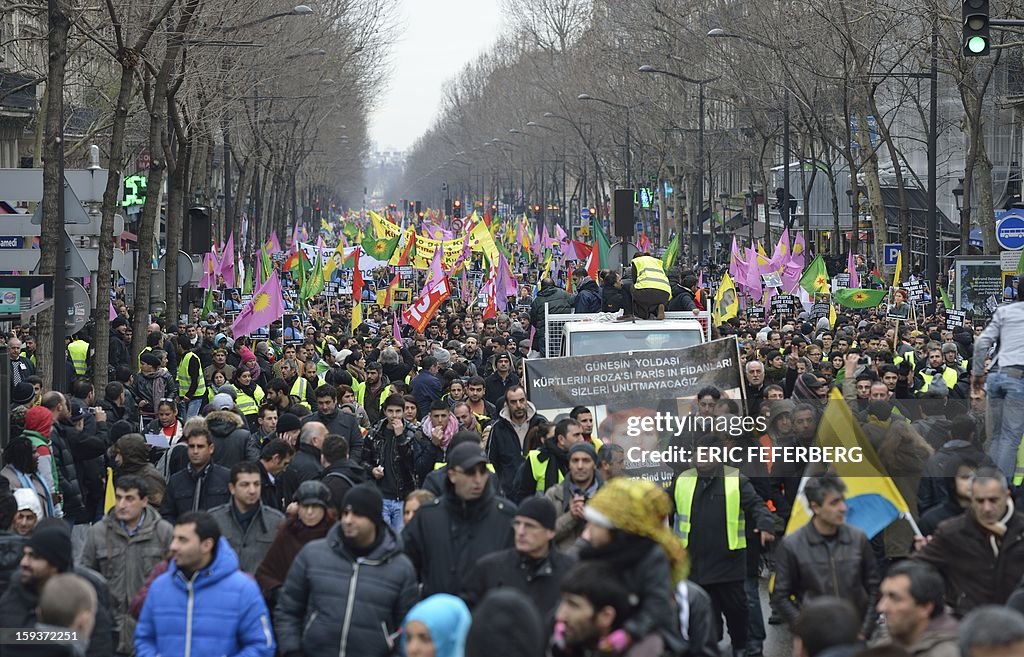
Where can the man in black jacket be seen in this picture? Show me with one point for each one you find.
(340, 474)
(682, 294)
(389, 456)
(449, 535)
(342, 424)
(588, 295)
(507, 443)
(533, 566)
(48, 553)
(275, 456)
(199, 487)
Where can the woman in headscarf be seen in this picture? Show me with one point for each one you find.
(436, 627)
(626, 529)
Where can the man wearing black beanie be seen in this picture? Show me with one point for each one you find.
(533, 566)
(316, 611)
(48, 553)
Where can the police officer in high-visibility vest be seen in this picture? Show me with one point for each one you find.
(713, 503)
(78, 354)
(936, 367)
(546, 467)
(651, 289)
(191, 382)
(248, 396)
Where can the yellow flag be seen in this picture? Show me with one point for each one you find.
(109, 498)
(899, 268)
(357, 316)
(832, 317)
(727, 303)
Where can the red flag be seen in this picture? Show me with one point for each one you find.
(421, 312)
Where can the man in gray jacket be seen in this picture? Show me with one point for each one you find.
(347, 593)
(124, 547)
(247, 523)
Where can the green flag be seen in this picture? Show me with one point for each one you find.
(380, 248)
(1020, 263)
(268, 266)
(315, 282)
(247, 281)
(946, 301)
(671, 254)
(208, 303)
(859, 298)
(815, 278)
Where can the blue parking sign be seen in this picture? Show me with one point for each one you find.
(890, 254)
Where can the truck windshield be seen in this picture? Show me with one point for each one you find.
(590, 343)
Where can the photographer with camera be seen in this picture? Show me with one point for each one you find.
(570, 496)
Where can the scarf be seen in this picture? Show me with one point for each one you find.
(997, 530)
(26, 482)
(159, 384)
(357, 372)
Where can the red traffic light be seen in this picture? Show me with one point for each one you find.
(457, 203)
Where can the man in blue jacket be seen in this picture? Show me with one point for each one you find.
(203, 605)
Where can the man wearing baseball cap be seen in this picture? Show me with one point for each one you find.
(533, 566)
(447, 537)
(316, 613)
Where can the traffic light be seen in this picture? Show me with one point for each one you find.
(456, 209)
(977, 36)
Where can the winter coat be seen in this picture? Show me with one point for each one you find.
(291, 537)
(339, 478)
(72, 500)
(588, 297)
(252, 543)
(125, 562)
(181, 489)
(395, 454)
(449, 535)
(540, 580)
(344, 425)
(568, 529)
(12, 549)
(19, 603)
(556, 462)
(219, 611)
(231, 439)
(89, 448)
(807, 566)
(504, 448)
(145, 389)
(334, 603)
(614, 299)
(942, 465)
(135, 461)
(964, 553)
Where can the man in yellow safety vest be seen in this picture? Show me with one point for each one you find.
(546, 467)
(651, 289)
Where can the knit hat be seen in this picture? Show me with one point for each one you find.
(246, 354)
(53, 544)
(229, 390)
(288, 422)
(28, 500)
(443, 357)
(637, 506)
(118, 322)
(222, 401)
(77, 408)
(151, 359)
(314, 492)
(22, 393)
(586, 448)
(502, 356)
(365, 500)
(39, 419)
(540, 509)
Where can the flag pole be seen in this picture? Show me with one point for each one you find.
(913, 524)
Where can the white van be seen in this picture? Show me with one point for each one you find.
(587, 335)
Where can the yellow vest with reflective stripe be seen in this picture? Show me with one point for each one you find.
(440, 464)
(1018, 468)
(185, 381)
(650, 275)
(540, 469)
(359, 387)
(79, 352)
(949, 375)
(299, 389)
(248, 404)
(735, 519)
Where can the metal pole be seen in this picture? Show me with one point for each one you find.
(58, 358)
(931, 264)
(699, 248)
(629, 155)
(784, 210)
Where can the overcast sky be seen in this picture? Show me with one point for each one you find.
(437, 38)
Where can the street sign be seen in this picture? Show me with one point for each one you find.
(143, 160)
(10, 300)
(584, 213)
(185, 265)
(12, 242)
(1010, 231)
(1008, 261)
(74, 213)
(891, 253)
(78, 307)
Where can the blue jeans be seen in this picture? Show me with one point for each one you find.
(393, 514)
(189, 409)
(1006, 411)
(755, 623)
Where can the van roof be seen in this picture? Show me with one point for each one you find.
(637, 325)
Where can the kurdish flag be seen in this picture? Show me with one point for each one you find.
(380, 248)
(859, 297)
(815, 278)
(266, 307)
(872, 499)
(671, 253)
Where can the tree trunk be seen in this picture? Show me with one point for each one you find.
(869, 168)
(51, 322)
(986, 212)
